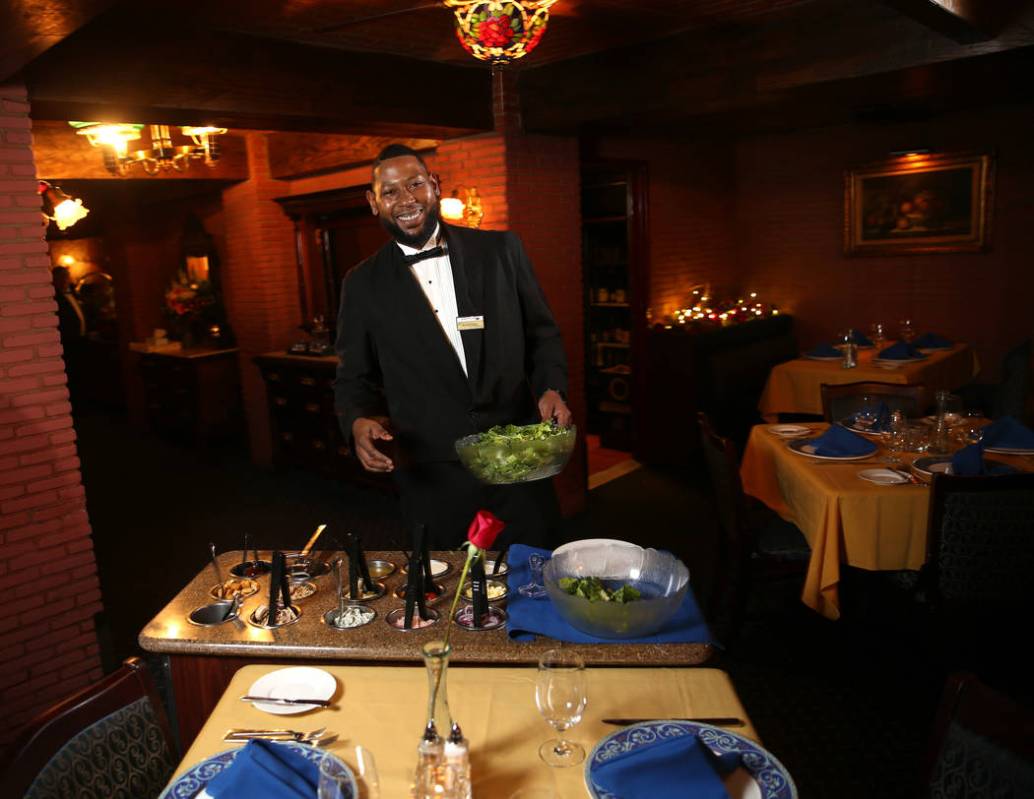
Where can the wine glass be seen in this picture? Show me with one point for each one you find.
(334, 778)
(865, 416)
(560, 694)
(535, 589)
(879, 335)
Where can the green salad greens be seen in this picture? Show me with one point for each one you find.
(593, 589)
(512, 453)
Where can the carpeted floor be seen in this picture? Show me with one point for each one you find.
(847, 706)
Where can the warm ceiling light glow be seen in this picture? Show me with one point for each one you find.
(114, 138)
(66, 260)
(451, 209)
(65, 211)
(463, 207)
(500, 31)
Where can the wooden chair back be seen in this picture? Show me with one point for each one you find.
(723, 467)
(110, 739)
(841, 400)
(982, 744)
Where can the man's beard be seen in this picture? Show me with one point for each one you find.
(418, 239)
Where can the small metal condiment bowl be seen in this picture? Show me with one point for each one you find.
(251, 568)
(254, 622)
(378, 591)
(329, 617)
(216, 594)
(435, 574)
(212, 615)
(400, 593)
(504, 569)
(465, 617)
(306, 586)
(305, 567)
(379, 569)
(400, 613)
(468, 591)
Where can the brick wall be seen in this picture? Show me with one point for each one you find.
(261, 280)
(789, 217)
(48, 647)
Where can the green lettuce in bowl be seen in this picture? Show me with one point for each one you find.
(517, 453)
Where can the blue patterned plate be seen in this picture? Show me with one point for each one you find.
(192, 783)
(765, 777)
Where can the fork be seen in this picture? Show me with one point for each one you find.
(276, 735)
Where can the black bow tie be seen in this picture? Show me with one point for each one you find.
(434, 252)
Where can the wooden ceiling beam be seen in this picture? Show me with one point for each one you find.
(184, 77)
(30, 28)
(964, 21)
(737, 68)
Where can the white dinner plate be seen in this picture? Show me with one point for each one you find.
(1009, 451)
(806, 447)
(295, 682)
(789, 430)
(931, 350)
(883, 477)
(760, 775)
(855, 427)
(893, 363)
(823, 357)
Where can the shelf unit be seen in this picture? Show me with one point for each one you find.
(613, 270)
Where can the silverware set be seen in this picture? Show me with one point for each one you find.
(318, 737)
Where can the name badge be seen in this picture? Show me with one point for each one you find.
(470, 323)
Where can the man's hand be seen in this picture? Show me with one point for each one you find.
(552, 406)
(364, 433)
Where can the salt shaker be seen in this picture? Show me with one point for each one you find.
(457, 763)
(430, 757)
(850, 351)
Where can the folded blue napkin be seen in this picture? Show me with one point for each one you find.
(859, 338)
(266, 770)
(824, 351)
(931, 341)
(900, 351)
(1007, 433)
(528, 617)
(672, 768)
(840, 442)
(969, 461)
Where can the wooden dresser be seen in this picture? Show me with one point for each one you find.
(306, 434)
(192, 393)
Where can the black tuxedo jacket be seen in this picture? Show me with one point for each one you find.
(394, 358)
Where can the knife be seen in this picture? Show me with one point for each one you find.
(717, 721)
(270, 700)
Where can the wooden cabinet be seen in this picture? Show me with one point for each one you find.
(613, 264)
(306, 433)
(193, 394)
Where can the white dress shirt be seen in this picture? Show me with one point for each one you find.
(435, 278)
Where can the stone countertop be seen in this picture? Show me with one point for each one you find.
(310, 639)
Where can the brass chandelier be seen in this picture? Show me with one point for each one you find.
(162, 155)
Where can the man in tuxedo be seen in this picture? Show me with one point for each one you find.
(445, 332)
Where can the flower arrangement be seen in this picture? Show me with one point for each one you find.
(191, 306)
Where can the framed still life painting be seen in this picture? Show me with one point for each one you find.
(919, 203)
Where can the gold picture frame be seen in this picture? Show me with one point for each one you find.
(919, 203)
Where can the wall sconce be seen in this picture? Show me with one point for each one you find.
(65, 211)
(463, 207)
(113, 139)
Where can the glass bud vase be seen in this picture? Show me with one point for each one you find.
(436, 660)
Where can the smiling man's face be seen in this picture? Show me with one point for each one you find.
(405, 199)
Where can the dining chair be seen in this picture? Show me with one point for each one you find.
(1011, 396)
(840, 401)
(111, 739)
(756, 544)
(976, 581)
(982, 744)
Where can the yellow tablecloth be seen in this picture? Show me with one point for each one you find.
(383, 709)
(844, 518)
(794, 386)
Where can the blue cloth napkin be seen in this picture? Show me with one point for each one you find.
(900, 351)
(931, 341)
(673, 768)
(840, 442)
(969, 461)
(859, 338)
(267, 770)
(528, 617)
(1008, 434)
(825, 351)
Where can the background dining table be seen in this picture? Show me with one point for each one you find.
(794, 386)
(845, 519)
(384, 710)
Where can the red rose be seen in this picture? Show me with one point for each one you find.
(484, 529)
(495, 32)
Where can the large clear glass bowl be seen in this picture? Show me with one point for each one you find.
(513, 461)
(661, 578)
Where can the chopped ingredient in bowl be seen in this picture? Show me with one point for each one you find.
(354, 616)
(230, 588)
(593, 589)
(512, 453)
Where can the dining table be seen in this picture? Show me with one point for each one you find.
(794, 387)
(844, 518)
(384, 711)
